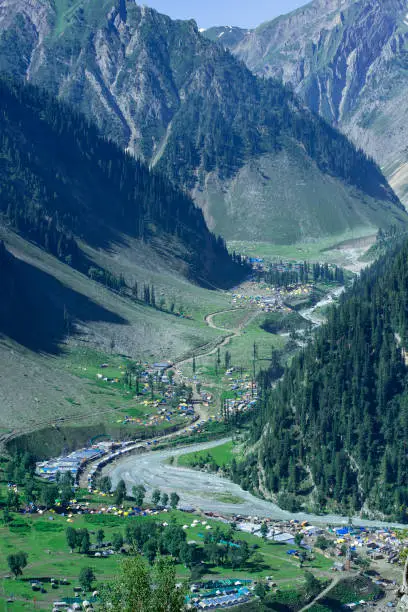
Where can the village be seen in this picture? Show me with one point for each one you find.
(93, 458)
(245, 392)
(274, 285)
(349, 549)
(168, 393)
(272, 299)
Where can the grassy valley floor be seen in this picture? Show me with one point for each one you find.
(43, 539)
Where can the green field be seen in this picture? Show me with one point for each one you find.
(314, 251)
(220, 456)
(116, 398)
(43, 538)
(233, 319)
(241, 350)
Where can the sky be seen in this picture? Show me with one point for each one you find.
(242, 13)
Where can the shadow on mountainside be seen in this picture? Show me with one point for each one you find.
(38, 311)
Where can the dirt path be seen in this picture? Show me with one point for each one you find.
(200, 410)
(251, 315)
(7, 437)
(223, 341)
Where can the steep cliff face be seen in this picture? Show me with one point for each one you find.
(185, 105)
(24, 25)
(348, 59)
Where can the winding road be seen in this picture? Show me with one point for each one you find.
(223, 340)
(201, 412)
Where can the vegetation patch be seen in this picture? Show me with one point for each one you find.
(278, 322)
(351, 590)
(214, 458)
(228, 498)
(48, 526)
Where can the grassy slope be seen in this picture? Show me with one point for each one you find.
(69, 12)
(232, 319)
(291, 201)
(241, 347)
(39, 384)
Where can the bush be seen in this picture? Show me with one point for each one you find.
(289, 502)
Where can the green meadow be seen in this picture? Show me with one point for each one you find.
(43, 539)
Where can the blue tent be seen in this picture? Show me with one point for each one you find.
(343, 531)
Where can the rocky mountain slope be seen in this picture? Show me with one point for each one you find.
(61, 183)
(260, 165)
(348, 60)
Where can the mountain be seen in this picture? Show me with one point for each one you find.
(96, 210)
(332, 435)
(60, 182)
(259, 164)
(97, 255)
(348, 60)
(228, 36)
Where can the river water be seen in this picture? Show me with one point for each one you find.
(209, 492)
(309, 313)
(206, 491)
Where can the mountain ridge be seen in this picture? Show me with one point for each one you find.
(55, 200)
(330, 436)
(165, 93)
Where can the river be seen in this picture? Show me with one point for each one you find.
(308, 313)
(207, 491)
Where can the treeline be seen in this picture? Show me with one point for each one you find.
(285, 275)
(386, 240)
(59, 180)
(113, 281)
(150, 538)
(144, 294)
(336, 425)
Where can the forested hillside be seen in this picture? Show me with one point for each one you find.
(260, 165)
(60, 182)
(332, 435)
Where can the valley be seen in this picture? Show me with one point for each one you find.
(347, 60)
(107, 409)
(203, 309)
